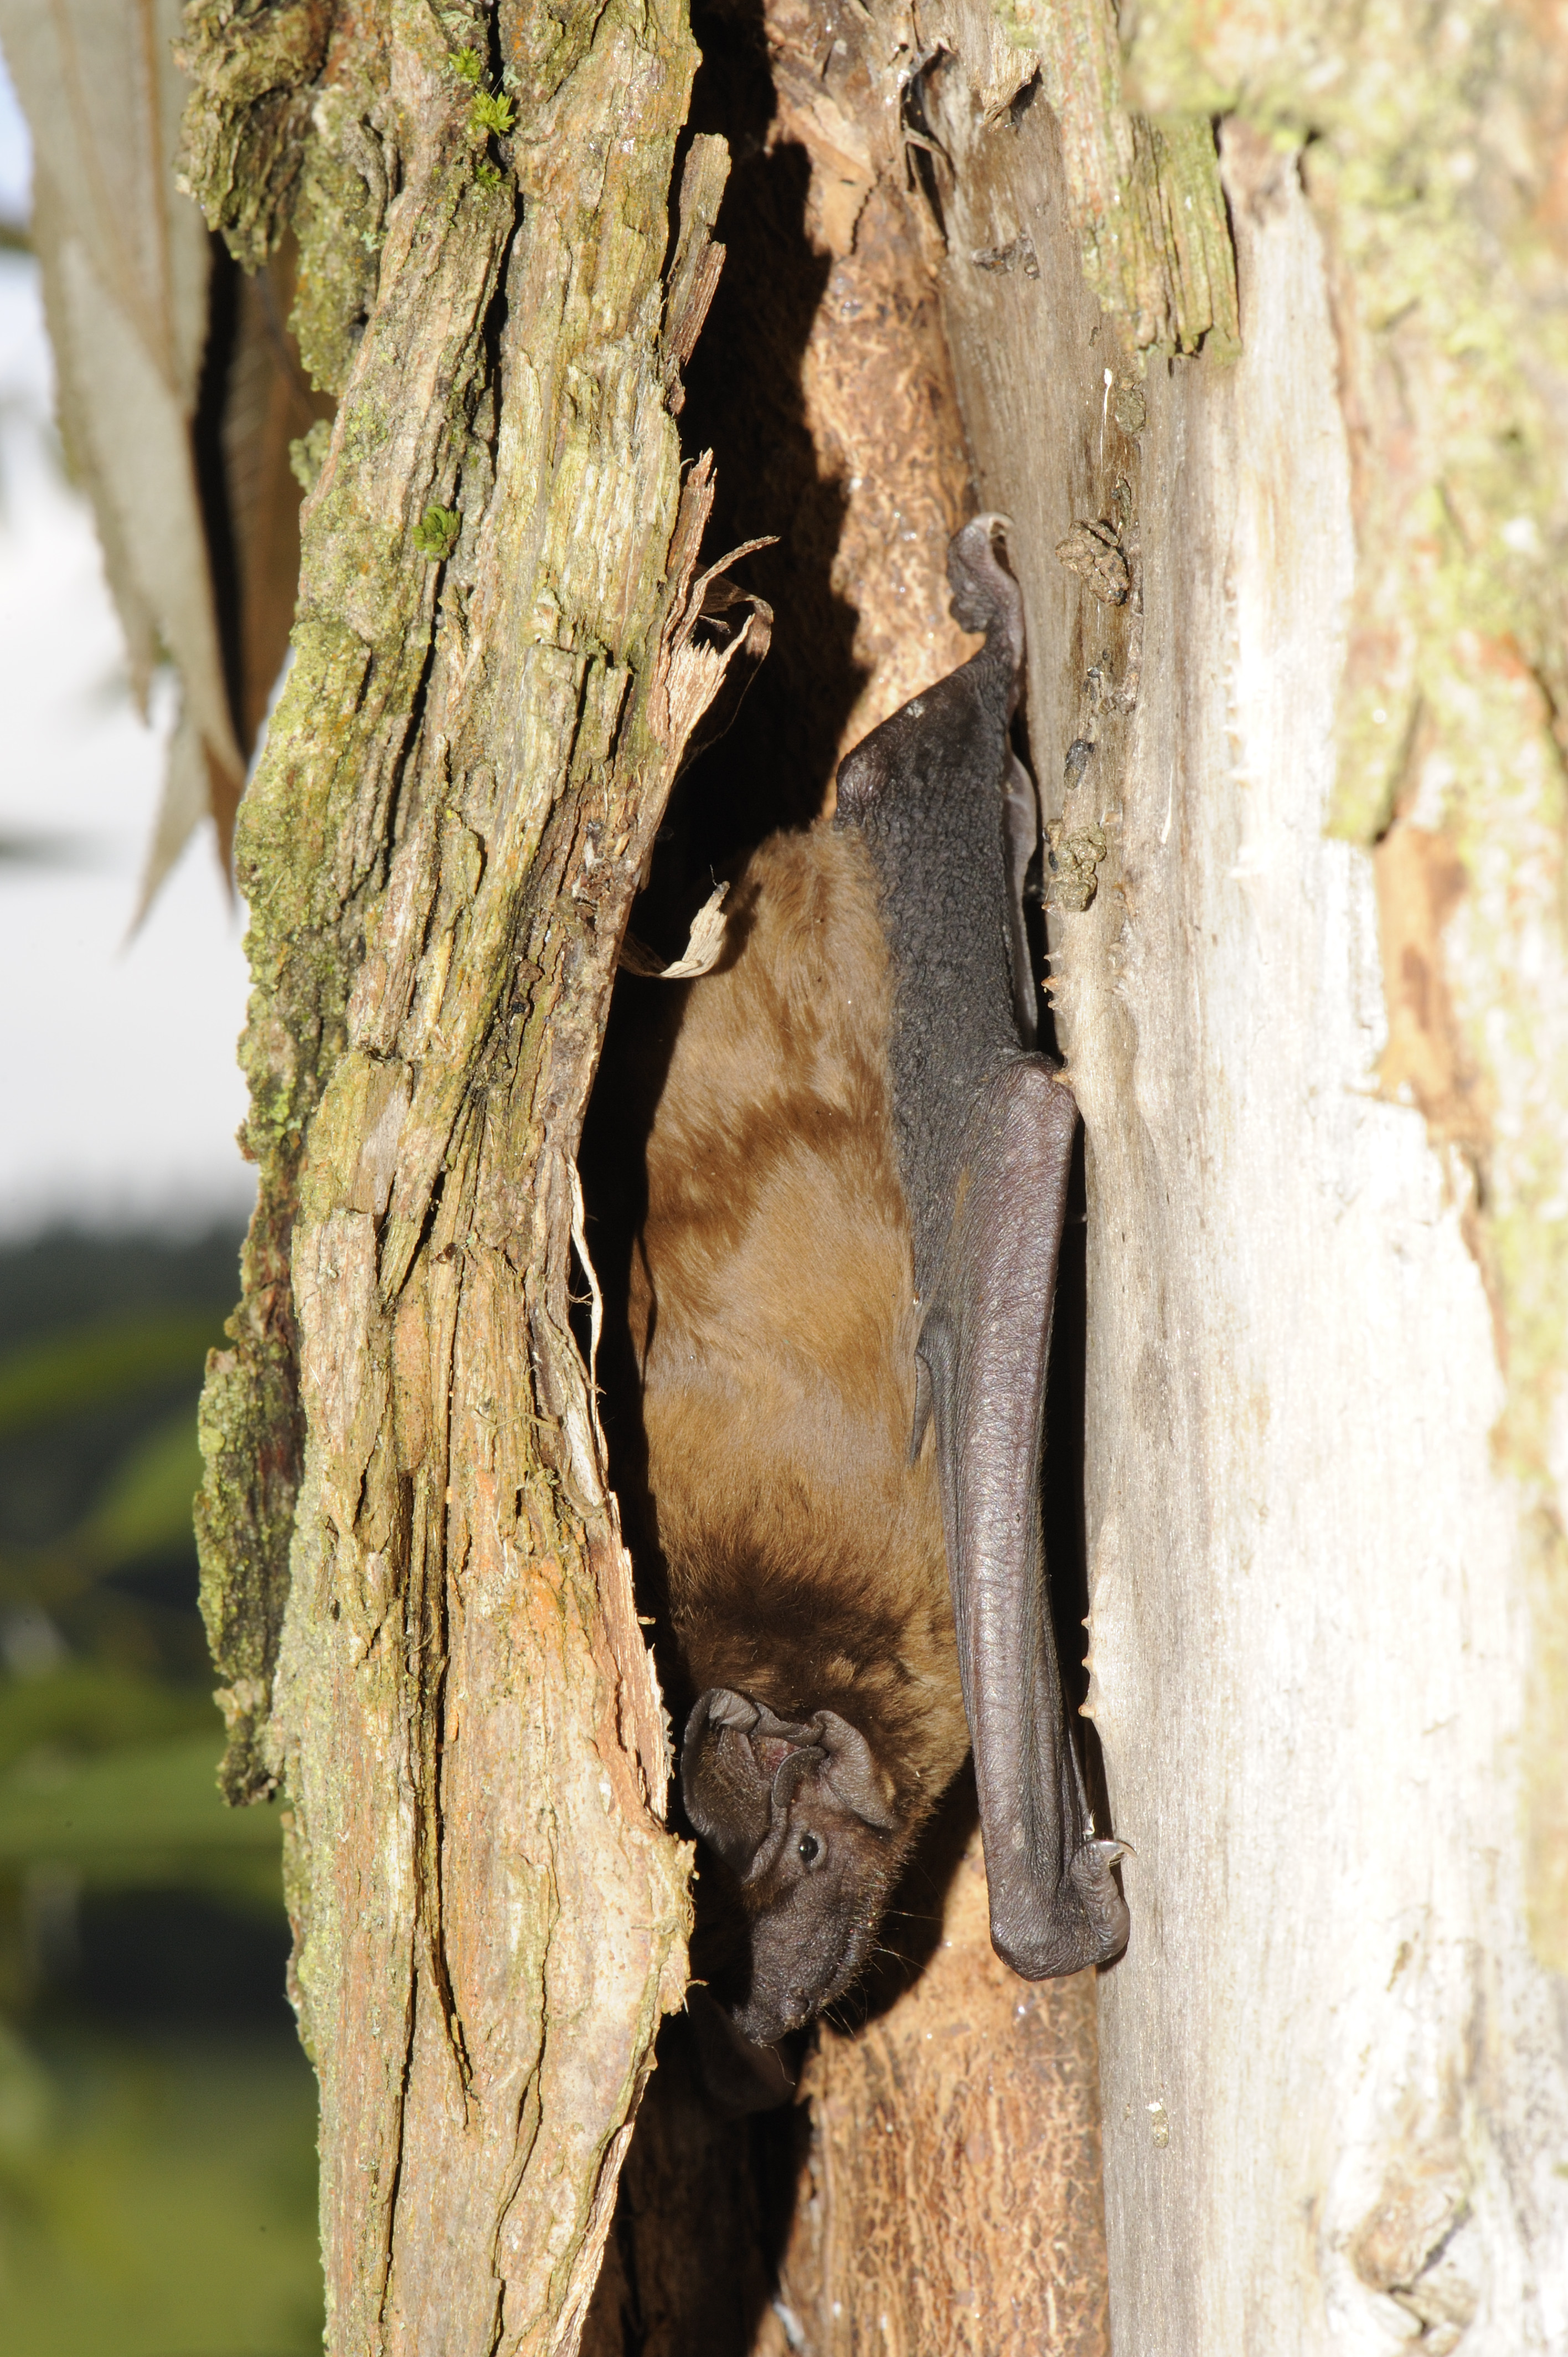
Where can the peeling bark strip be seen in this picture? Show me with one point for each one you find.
(1144, 193)
(462, 782)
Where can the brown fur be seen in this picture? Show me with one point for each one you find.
(773, 1315)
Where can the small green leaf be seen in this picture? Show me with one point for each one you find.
(486, 173)
(466, 65)
(491, 112)
(435, 534)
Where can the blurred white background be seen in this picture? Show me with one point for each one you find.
(118, 1091)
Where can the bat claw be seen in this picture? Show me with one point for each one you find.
(986, 596)
(1103, 1905)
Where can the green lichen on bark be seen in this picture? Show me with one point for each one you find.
(251, 1433)
(290, 128)
(1146, 199)
(1434, 158)
(439, 849)
(252, 62)
(361, 641)
(337, 216)
(449, 1468)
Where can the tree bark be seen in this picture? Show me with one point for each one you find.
(1325, 1291)
(1284, 458)
(494, 674)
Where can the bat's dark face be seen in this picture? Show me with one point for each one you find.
(801, 1818)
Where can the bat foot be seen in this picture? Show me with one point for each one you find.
(1105, 1910)
(1085, 1923)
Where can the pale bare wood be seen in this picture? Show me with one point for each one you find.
(1333, 2068)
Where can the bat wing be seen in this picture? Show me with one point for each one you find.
(1021, 835)
(985, 1341)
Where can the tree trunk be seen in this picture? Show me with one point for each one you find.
(495, 671)
(1325, 1294)
(1292, 704)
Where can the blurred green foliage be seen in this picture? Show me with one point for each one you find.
(157, 2116)
(156, 2198)
(61, 1375)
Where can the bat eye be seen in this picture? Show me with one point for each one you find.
(807, 1849)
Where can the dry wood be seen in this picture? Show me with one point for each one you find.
(1333, 2068)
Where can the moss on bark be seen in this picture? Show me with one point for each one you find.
(439, 849)
(1145, 194)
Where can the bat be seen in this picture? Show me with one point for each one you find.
(840, 1307)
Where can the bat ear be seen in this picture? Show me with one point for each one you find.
(741, 1767)
(850, 1774)
(726, 1787)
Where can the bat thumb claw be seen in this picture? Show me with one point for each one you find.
(1104, 1908)
(986, 596)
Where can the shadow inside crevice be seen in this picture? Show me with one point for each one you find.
(702, 2219)
(706, 2200)
(745, 401)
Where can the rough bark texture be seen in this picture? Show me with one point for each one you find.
(495, 671)
(1315, 589)
(1325, 1340)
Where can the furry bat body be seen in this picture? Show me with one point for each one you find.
(840, 1307)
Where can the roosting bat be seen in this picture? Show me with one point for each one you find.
(841, 1305)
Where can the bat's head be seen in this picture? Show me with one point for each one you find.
(803, 1820)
